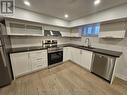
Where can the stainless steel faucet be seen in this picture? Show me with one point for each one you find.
(87, 42)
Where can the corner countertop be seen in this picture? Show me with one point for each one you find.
(92, 49)
(96, 50)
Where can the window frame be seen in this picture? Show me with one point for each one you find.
(92, 34)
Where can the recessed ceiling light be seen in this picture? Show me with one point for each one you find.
(27, 3)
(66, 16)
(96, 2)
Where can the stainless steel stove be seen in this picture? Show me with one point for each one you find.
(55, 53)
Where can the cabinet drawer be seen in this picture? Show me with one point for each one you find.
(38, 54)
(39, 64)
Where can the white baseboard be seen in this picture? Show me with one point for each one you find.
(123, 77)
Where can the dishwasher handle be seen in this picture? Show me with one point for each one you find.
(103, 56)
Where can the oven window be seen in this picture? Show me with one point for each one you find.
(55, 57)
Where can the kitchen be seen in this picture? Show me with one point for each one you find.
(64, 47)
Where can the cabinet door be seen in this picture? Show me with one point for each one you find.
(112, 34)
(34, 29)
(76, 32)
(66, 53)
(65, 34)
(19, 63)
(38, 54)
(65, 50)
(38, 64)
(86, 59)
(76, 56)
(38, 59)
(69, 53)
(113, 30)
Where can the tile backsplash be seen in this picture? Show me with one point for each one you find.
(110, 44)
(35, 41)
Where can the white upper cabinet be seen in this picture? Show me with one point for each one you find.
(112, 34)
(76, 32)
(15, 29)
(113, 30)
(49, 27)
(66, 32)
(34, 30)
(22, 29)
(25, 28)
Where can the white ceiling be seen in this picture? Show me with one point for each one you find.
(74, 8)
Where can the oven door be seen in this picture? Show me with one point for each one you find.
(55, 57)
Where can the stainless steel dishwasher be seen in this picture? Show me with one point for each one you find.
(103, 66)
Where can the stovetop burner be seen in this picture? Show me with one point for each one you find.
(52, 46)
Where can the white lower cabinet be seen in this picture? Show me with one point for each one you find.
(66, 53)
(79, 56)
(20, 64)
(26, 62)
(38, 64)
(75, 55)
(86, 59)
(38, 59)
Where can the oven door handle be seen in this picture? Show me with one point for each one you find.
(58, 54)
(54, 51)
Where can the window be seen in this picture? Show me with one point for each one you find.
(91, 30)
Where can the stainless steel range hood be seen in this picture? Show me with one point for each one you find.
(52, 33)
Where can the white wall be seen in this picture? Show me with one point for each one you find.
(22, 14)
(109, 14)
(121, 71)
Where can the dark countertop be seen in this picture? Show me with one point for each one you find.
(95, 50)
(25, 49)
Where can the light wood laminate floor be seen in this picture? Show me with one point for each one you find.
(65, 79)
